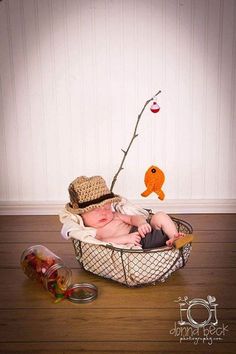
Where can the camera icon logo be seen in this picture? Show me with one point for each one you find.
(187, 307)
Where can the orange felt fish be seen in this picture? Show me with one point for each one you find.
(154, 179)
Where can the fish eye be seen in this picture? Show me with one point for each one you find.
(153, 170)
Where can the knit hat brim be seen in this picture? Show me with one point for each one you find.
(109, 198)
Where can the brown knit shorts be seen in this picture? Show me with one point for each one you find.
(154, 239)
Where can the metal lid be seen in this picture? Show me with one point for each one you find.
(82, 292)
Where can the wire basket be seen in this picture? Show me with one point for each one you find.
(134, 267)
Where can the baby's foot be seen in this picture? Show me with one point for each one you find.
(174, 238)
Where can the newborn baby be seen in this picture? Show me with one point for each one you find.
(93, 201)
(119, 228)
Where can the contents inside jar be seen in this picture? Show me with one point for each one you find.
(47, 270)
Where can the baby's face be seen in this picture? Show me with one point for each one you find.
(98, 217)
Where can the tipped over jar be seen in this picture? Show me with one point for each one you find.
(42, 265)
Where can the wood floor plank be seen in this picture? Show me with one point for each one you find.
(131, 347)
(215, 236)
(30, 223)
(210, 221)
(36, 237)
(192, 283)
(99, 325)
(33, 237)
(203, 254)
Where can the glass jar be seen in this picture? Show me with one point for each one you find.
(42, 265)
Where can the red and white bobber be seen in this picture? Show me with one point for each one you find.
(155, 107)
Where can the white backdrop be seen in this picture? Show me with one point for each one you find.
(76, 73)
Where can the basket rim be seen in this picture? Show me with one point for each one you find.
(141, 250)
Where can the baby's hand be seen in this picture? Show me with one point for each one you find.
(135, 238)
(143, 229)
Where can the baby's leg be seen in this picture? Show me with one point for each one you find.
(162, 221)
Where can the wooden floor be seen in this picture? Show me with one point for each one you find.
(122, 319)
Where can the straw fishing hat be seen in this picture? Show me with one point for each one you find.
(87, 193)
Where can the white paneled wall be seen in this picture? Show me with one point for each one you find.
(76, 73)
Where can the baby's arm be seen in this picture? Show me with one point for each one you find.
(137, 220)
(134, 237)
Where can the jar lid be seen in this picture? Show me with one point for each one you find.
(82, 292)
